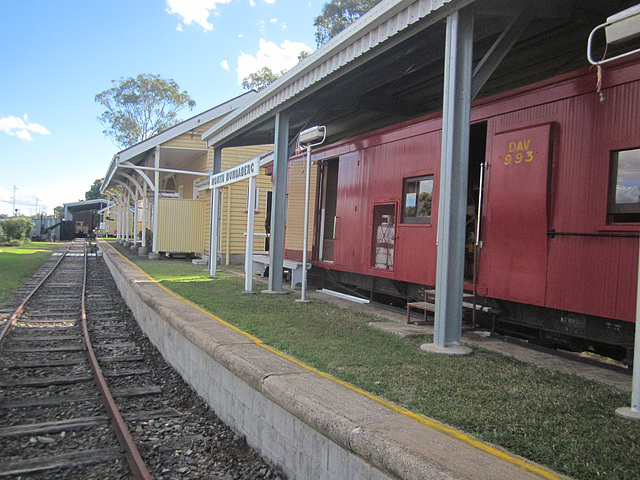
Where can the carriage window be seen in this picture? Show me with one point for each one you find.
(416, 199)
(624, 193)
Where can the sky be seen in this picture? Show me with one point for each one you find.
(56, 55)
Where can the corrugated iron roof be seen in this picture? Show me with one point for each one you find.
(388, 66)
(386, 20)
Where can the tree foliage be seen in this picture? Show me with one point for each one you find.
(94, 191)
(337, 15)
(15, 229)
(138, 108)
(260, 79)
(263, 77)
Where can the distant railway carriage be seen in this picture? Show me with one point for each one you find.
(553, 193)
(83, 223)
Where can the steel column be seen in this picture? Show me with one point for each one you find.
(278, 214)
(453, 178)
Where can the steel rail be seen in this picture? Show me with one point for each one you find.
(134, 459)
(12, 320)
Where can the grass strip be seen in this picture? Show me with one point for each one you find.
(18, 264)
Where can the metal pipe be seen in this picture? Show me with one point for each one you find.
(165, 170)
(305, 240)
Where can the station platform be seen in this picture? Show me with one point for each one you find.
(307, 423)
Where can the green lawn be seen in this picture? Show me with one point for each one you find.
(561, 421)
(17, 264)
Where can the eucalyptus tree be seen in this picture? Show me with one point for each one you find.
(138, 108)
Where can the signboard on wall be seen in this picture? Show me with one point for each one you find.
(250, 168)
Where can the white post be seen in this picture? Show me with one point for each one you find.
(135, 219)
(156, 198)
(119, 218)
(108, 215)
(144, 216)
(248, 250)
(213, 247)
(305, 240)
(126, 212)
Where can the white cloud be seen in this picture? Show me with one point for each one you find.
(271, 2)
(224, 64)
(273, 20)
(252, 3)
(277, 58)
(20, 127)
(195, 11)
(261, 26)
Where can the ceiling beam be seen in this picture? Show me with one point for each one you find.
(500, 48)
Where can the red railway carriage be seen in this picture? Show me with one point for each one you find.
(554, 182)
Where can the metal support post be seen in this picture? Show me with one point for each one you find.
(305, 240)
(453, 179)
(145, 205)
(213, 246)
(156, 198)
(118, 218)
(127, 227)
(135, 220)
(278, 214)
(248, 250)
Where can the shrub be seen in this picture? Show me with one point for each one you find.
(148, 236)
(15, 229)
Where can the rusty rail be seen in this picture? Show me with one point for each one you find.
(137, 465)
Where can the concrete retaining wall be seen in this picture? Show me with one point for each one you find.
(308, 425)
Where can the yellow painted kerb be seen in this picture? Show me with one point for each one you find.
(463, 437)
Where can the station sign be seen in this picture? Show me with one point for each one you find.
(250, 168)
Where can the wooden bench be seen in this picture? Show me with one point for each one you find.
(261, 262)
(425, 306)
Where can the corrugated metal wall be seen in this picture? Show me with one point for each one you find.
(181, 224)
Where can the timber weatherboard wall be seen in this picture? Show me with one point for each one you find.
(294, 233)
(233, 209)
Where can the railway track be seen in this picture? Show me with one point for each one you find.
(56, 422)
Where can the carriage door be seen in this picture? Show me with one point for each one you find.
(514, 242)
(384, 236)
(326, 215)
